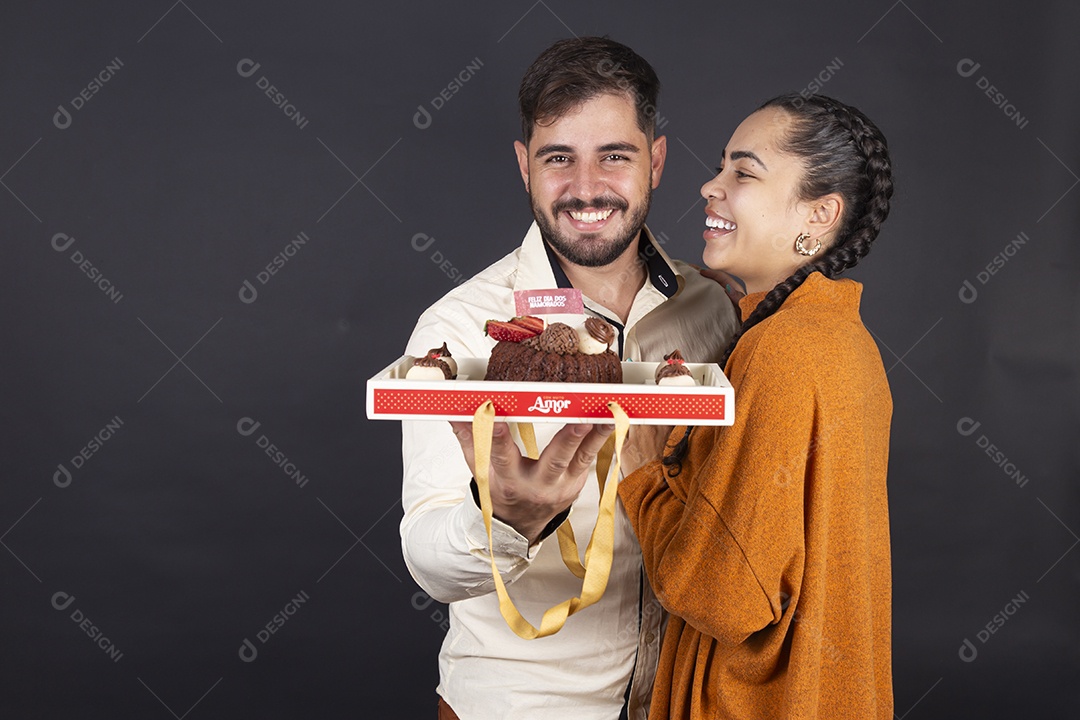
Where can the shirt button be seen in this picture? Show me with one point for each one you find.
(649, 637)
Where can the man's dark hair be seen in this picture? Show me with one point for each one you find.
(576, 70)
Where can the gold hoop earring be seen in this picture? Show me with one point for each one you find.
(803, 251)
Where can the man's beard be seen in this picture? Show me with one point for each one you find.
(591, 253)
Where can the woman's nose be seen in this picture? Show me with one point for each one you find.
(713, 188)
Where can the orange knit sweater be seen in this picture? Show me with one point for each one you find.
(771, 548)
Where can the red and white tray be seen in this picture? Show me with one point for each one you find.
(712, 402)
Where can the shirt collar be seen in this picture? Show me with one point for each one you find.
(539, 268)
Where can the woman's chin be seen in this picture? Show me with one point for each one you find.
(716, 260)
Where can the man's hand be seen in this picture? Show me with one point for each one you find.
(526, 494)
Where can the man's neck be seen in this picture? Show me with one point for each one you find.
(614, 285)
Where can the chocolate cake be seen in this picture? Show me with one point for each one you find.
(558, 354)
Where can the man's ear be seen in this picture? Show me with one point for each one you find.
(825, 215)
(659, 155)
(523, 161)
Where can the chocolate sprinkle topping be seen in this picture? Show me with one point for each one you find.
(559, 338)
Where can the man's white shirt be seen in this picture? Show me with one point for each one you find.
(582, 672)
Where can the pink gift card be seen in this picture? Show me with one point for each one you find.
(559, 301)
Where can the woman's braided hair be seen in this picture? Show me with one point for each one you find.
(843, 152)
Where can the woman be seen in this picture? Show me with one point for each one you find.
(768, 541)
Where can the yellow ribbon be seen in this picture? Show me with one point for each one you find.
(598, 554)
(565, 532)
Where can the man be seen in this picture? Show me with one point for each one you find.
(589, 161)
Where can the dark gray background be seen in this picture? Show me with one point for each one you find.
(179, 180)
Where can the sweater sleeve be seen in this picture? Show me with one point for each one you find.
(728, 557)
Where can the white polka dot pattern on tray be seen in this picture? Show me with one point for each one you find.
(441, 402)
(436, 403)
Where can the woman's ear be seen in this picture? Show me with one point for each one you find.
(825, 215)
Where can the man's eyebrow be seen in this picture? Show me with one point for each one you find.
(549, 149)
(567, 150)
(738, 154)
(619, 147)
